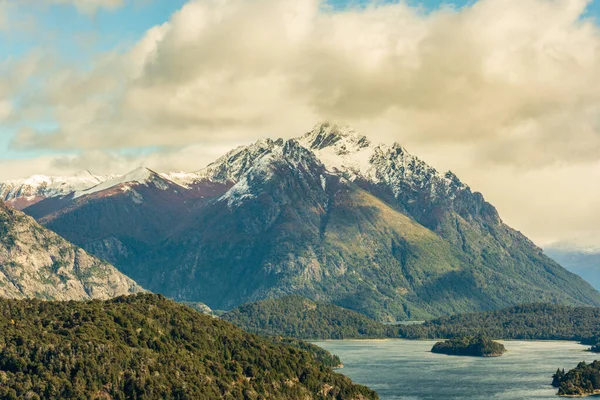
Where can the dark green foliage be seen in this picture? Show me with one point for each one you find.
(469, 346)
(535, 322)
(556, 378)
(296, 316)
(319, 354)
(581, 381)
(147, 347)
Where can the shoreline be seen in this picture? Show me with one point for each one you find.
(596, 393)
(439, 339)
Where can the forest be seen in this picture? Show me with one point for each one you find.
(296, 316)
(148, 347)
(469, 346)
(580, 381)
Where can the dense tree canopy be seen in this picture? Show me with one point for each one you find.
(469, 346)
(535, 322)
(298, 317)
(147, 347)
(580, 381)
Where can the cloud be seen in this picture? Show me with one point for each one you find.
(503, 91)
(490, 73)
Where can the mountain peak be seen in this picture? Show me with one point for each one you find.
(140, 175)
(326, 134)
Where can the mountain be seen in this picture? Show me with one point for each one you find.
(147, 347)
(329, 216)
(35, 262)
(120, 218)
(25, 192)
(299, 317)
(585, 262)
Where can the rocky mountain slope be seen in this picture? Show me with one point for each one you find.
(35, 262)
(330, 216)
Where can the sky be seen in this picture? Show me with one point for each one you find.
(505, 93)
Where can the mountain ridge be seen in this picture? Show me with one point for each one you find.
(328, 215)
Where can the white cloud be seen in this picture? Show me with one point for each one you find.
(504, 92)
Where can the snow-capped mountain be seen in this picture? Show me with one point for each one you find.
(25, 192)
(328, 215)
(139, 176)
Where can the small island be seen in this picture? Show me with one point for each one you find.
(469, 346)
(582, 381)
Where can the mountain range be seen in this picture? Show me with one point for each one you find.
(583, 262)
(328, 215)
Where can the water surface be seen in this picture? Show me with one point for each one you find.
(407, 370)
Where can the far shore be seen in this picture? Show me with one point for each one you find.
(439, 339)
(595, 394)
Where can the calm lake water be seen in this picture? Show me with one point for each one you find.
(407, 370)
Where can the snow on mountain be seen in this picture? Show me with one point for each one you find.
(40, 185)
(24, 192)
(346, 152)
(342, 150)
(139, 176)
(232, 166)
(256, 164)
(185, 179)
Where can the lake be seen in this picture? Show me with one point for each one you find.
(407, 370)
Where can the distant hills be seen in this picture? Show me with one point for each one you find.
(329, 216)
(585, 263)
(145, 346)
(35, 262)
(298, 317)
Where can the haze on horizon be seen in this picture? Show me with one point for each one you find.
(502, 92)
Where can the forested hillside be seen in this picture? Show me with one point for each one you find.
(299, 317)
(147, 347)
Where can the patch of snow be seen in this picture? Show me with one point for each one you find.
(185, 179)
(343, 151)
(141, 176)
(136, 197)
(48, 186)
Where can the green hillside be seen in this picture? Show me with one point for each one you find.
(534, 321)
(295, 316)
(148, 347)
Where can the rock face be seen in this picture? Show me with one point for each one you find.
(35, 262)
(329, 216)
